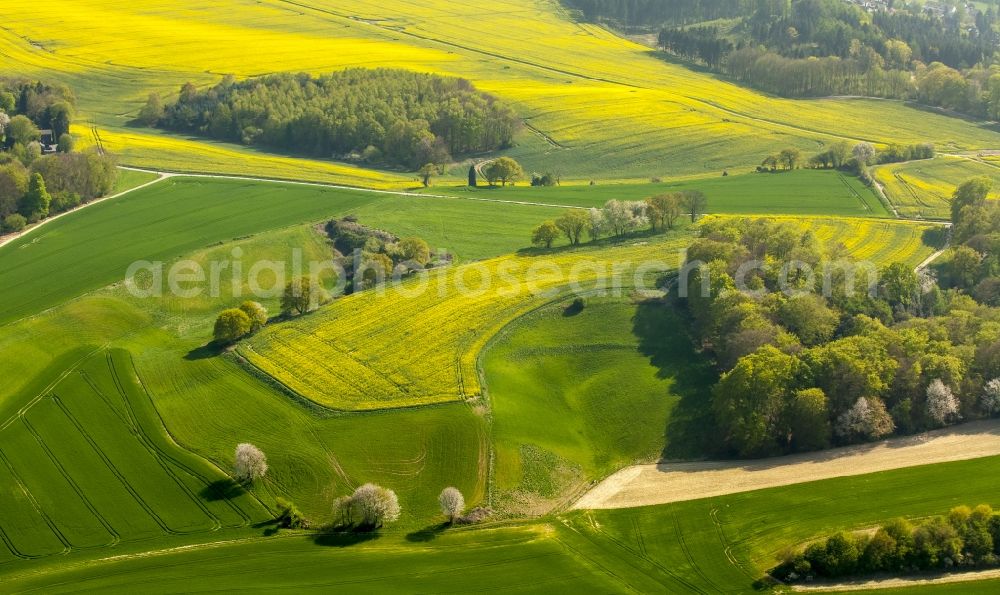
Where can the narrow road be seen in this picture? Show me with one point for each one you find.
(162, 175)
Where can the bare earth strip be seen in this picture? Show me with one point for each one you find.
(899, 583)
(661, 483)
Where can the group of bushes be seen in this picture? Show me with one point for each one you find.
(383, 115)
(371, 256)
(235, 323)
(806, 363)
(619, 218)
(34, 186)
(966, 538)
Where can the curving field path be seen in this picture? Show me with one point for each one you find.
(664, 482)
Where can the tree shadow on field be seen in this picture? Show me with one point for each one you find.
(345, 538)
(206, 351)
(222, 489)
(427, 533)
(664, 336)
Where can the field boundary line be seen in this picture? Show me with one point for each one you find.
(411, 194)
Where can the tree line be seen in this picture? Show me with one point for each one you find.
(815, 48)
(843, 155)
(830, 354)
(966, 538)
(381, 116)
(972, 262)
(620, 218)
(639, 13)
(33, 184)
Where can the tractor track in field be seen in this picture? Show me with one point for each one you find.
(115, 536)
(114, 470)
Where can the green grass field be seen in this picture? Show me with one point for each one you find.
(172, 218)
(87, 464)
(128, 179)
(799, 192)
(717, 545)
(578, 395)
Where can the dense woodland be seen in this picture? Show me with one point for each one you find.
(840, 355)
(940, 55)
(381, 116)
(39, 180)
(644, 13)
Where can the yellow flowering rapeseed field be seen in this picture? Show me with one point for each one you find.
(923, 189)
(598, 106)
(417, 343)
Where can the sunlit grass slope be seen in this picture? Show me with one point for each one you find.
(579, 393)
(598, 105)
(716, 545)
(88, 464)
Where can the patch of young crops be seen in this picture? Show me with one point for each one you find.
(87, 464)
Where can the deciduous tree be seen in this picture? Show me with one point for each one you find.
(452, 503)
(545, 234)
(35, 202)
(942, 406)
(257, 314)
(415, 249)
(504, 170)
(251, 464)
(376, 505)
(694, 202)
(572, 223)
(231, 326)
(298, 296)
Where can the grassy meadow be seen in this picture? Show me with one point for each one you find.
(703, 546)
(87, 463)
(598, 106)
(94, 248)
(798, 192)
(577, 394)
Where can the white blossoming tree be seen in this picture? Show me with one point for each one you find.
(376, 505)
(251, 464)
(990, 399)
(452, 503)
(942, 406)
